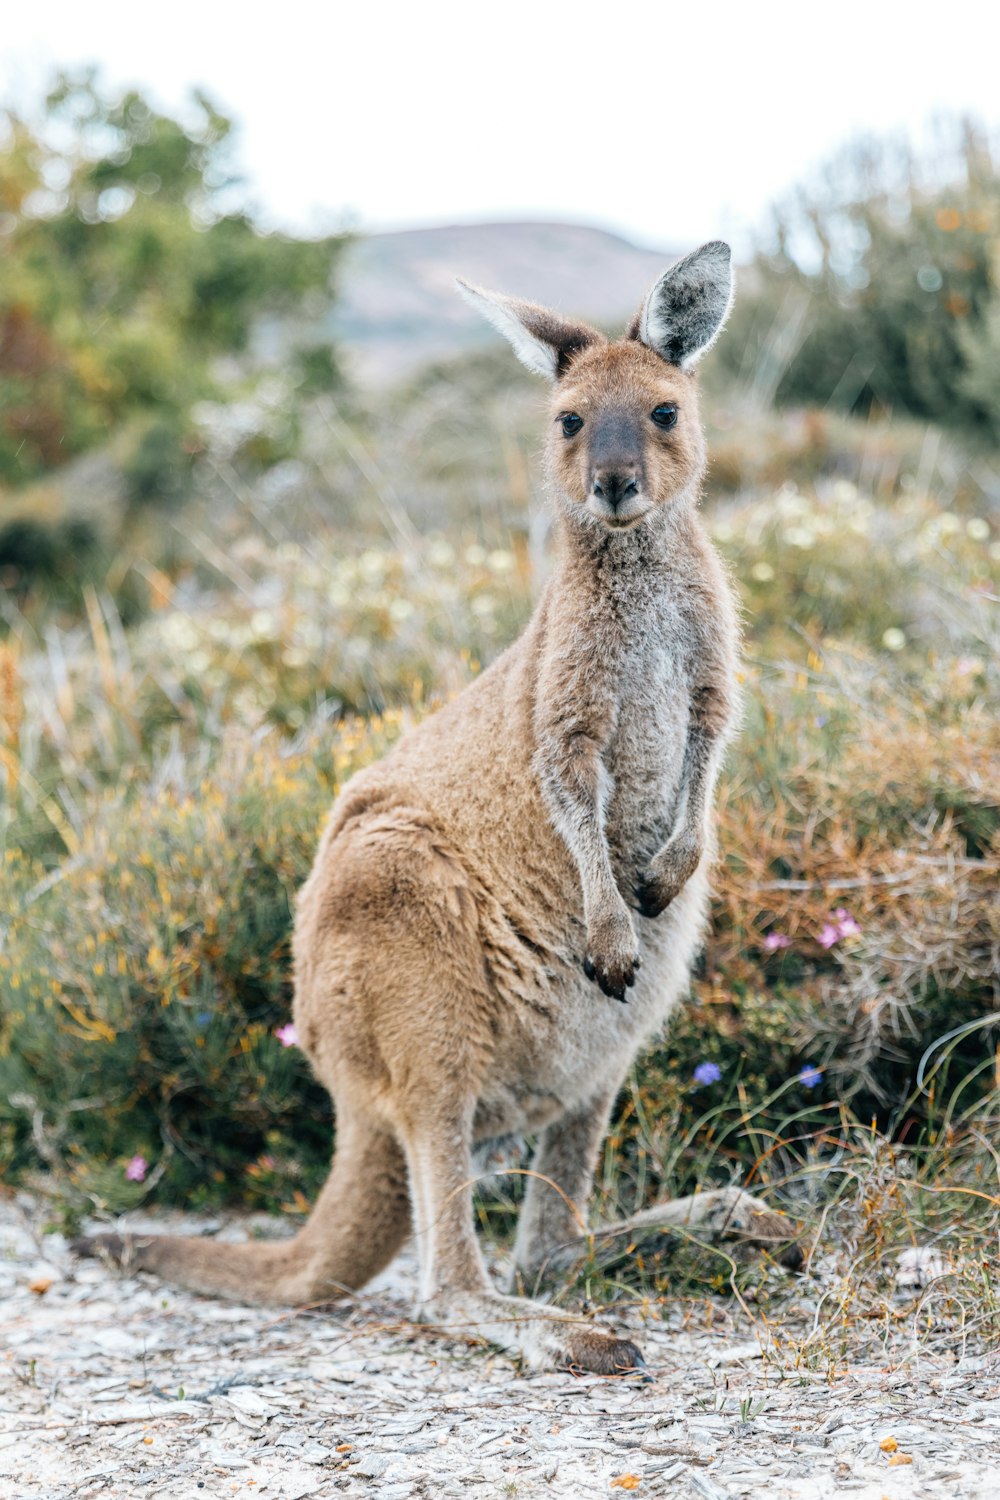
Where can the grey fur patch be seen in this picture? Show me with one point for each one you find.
(686, 309)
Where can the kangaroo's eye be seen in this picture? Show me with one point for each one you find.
(571, 424)
(664, 416)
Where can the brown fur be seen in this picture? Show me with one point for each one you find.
(548, 829)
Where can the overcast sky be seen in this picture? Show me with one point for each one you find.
(670, 123)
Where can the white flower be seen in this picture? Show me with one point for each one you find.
(181, 633)
(263, 625)
(844, 491)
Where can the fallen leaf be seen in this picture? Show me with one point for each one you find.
(888, 1445)
(899, 1458)
(626, 1482)
(40, 1285)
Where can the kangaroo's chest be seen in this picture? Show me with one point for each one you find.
(646, 753)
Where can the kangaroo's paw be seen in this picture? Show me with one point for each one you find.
(612, 959)
(667, 875)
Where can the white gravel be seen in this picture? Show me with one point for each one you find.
(113, 1386)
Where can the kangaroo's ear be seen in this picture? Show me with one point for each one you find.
(541, 339)
(684, 313)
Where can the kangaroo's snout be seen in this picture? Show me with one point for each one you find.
(614, 487)
(616, 496)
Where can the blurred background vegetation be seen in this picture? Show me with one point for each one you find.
(231, 574)
(132, 289)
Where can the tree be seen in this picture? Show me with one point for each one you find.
(127, 268)
(881, 286)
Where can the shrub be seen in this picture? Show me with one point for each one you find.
(880, 288)
(130, 274)
(143, 980)
(298, 630)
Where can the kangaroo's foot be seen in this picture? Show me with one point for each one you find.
(543, 1337)
(720, 1214)
(456, 1293)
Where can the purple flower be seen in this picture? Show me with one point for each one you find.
(287, 1035)
(707, 1072)
(847, 926)
(810, 1076)
(775, 940)
(840, 925)
(137, 1169)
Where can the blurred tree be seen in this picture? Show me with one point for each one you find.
(128, 269)
(881, 287)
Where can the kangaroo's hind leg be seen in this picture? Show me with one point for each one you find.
(557, 1196)
(717, 1214)
(416, 1030)
(455, 1290)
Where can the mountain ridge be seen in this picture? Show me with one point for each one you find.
(398, 307)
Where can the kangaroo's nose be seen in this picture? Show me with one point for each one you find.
(614, 487)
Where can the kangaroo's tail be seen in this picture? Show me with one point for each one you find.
(360, 1220)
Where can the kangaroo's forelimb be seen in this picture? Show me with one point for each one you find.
(574, 724)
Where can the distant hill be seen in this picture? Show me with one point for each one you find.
(398, 306)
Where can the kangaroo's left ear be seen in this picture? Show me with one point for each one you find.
(684, 313)
(541, 339)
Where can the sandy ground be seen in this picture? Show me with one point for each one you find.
(117, 1386)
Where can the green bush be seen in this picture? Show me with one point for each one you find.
(126, 284)
(880, 289)
(143, 980)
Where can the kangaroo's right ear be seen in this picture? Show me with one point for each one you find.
(541, 339)
(684, 313)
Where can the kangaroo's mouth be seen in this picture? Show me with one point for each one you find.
(622, 517)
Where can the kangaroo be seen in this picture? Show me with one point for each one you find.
(505, 908)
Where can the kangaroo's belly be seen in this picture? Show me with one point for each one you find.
(566, 1043)
(645, 761)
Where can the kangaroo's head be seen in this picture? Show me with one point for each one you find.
(625, 436)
